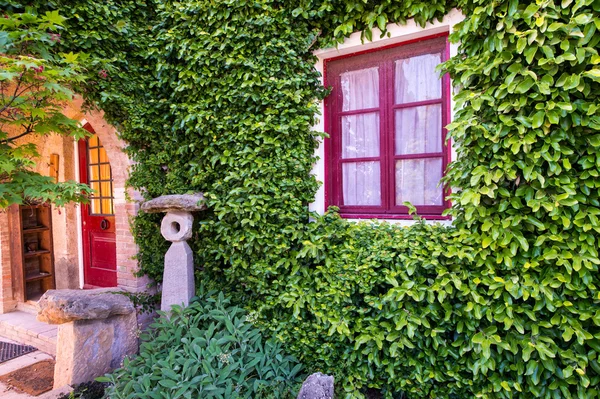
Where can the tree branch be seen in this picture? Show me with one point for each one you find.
(14, 94)
(28, 130)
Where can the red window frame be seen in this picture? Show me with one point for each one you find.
(384, 59)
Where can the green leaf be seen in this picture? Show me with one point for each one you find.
(538, 119)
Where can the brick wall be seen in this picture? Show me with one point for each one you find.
(7, 303)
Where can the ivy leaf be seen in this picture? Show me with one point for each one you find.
(594, 74)
(525, 85)
(538, 119)
(381, 22)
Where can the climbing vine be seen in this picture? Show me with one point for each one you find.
(221, 96)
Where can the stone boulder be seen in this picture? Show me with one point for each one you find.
(175, 202)
(317, 386)
(64, 306)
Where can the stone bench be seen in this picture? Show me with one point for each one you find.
(97, 329)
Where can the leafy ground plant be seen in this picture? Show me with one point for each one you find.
(211, 350)
(86, 390)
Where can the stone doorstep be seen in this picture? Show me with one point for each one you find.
(24, 328)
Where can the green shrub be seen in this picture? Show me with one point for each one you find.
(209, 350)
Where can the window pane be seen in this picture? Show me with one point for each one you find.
(96, 187)
(419, 130)
(93, 141)
(94, 173)
(95, 203)
(417, 80)
(107, 206)
(417, 181)
(361, 181)
(103, 156)
(360, 89)
(360, 135)
(93, 155)
(105, 189)
(105, 172)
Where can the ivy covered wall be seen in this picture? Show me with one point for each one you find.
(220, 96)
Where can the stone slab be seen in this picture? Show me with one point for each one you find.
(91, 348)
(175, 202)
(64, 306)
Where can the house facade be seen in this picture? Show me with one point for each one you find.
(385, 117)
(78, 246)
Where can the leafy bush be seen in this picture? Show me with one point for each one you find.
(209, 350)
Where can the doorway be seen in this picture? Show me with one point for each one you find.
(97, 216)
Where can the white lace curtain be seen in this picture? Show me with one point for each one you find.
(360, 137)
(417, 131)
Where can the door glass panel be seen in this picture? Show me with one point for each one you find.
(105, 190)
(103, 156)
(95, 203)
(107, 204)
(93, 155)
(361, 183)
(105, 172)
(93, 141)
(94, 172)
(360, 89)
(100, 178)
(418, 130)
(360, 135)
(416, 79)
(417, 181)
(96, 187)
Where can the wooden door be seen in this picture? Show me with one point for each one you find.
(98, 216)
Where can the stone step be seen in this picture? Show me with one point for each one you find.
(28, 307)
(24, 328)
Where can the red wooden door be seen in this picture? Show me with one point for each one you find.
(98, 217)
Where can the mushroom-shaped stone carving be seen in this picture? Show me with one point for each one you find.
(178, 277)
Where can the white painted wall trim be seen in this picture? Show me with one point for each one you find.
(78, 208)
(396, 34)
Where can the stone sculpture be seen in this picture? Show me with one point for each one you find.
(178, 276)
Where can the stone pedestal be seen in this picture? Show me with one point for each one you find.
(97, 329)
(178, 281)
(178, 277)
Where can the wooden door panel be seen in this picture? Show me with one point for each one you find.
(102, 250)
(98, 220)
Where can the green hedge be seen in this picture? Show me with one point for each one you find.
(220, 97)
